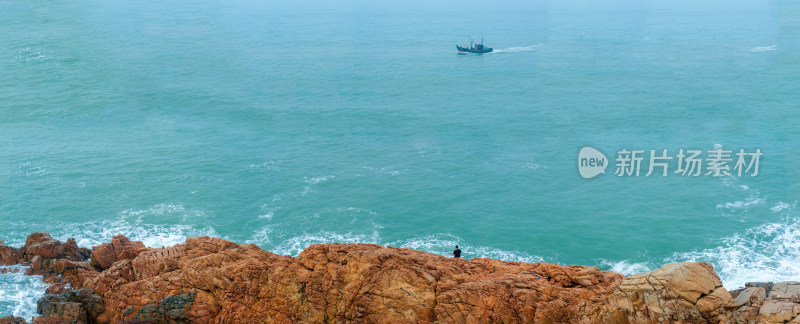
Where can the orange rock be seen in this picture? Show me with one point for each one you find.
(688, 291)
(213, 280)
(210, 280)
(9, 255)
(46, 247)
(12, 320)
(120, 248)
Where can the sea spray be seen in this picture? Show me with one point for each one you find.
(19, 292)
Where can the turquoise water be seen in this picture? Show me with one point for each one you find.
(289, 125)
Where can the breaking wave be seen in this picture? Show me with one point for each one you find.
(19, 293)
(769, 252)
(293, 246)
(443, 244)
(157, 226)
(626, 267)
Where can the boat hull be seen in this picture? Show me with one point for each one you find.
(466, 50)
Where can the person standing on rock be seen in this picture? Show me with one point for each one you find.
(457, 253)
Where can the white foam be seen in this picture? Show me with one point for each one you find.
(316, 180)
(261, 236)
(517, 49)
(770, 252)
(19, 293)
(782, 206)
(268, 166)
(31, 55)
(733, 182)
(157, 226)
(30, 170)
(385, 171)
(759, 49)
(443, 244)
(626, 267)
(161, 212)
(534, 165)
(297, 244)
(743, 204)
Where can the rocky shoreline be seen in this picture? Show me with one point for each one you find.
(209, 280)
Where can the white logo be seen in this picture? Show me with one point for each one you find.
(591, 162)
(718, 162)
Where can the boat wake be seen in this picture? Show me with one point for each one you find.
(760, 49)
(517, 49)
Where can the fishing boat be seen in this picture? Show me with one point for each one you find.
(474, 49)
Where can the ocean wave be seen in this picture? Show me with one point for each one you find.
(770, 252)
(293, 246)
(261, 236)
(384, 171)
(268, 166)
(754, 199)
(443, 244)
(31, 55)
(28, 169)
(162, 210)
(743, 204)
(759, 49)
(534, 165)
(19, 292)
(316, 180)
(782, 206)
(157, 226)
(440, 244)
(517, 49)
(626, 267)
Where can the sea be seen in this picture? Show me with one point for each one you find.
(290, 123)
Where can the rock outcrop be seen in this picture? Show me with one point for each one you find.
(688, 292)
(78, 305)
(120, 248)
(212, 280)
(42, 245)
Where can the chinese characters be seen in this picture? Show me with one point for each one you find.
(689, 163)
